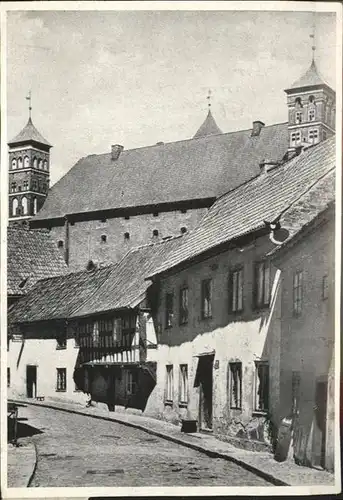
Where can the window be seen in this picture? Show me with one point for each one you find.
(297, 292)
(298, 117)
(183, 211)
(14, 206)
(13, 187)
(155, 232)
(183, 305)
(311, 114)
(95, 334)
(262, 386)
(103, 238)
(295, 138)
(26, 185)
(183, 230)
(45, 165)
(155, 214)
(14, 164)
(20, 162)
(313, 136)
(169, 383)
(61, 385)
(126, 236)
(127, 217)
(34, 205)
(262, 284)
(60, 244)
(295, 391)
(130, 383)
(236, 290)
(324, 135)
(298, 102)
(40, 164)
(325, 287)
(34, 185)
(311, 99)
(183, 384)
(8, 377)
(206, 298)
(34, 162)
(24, 205)
(236, 385)
(61, 339)
(26, 162)
(169, 309)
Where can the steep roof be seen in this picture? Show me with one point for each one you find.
(311, 78)
(185, 170)
(31, 256)
(209, 127)
(85, 293)
(29, 134)
(243, 210)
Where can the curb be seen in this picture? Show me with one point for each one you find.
(34, 467)
(213, 454)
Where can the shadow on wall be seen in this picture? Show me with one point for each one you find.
(23, 430)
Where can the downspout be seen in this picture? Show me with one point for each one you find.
(66, 240)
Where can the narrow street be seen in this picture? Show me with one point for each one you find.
(76, 450)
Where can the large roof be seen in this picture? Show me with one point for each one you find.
(209, 127)
(311, 78)
(29, 134)
(243, 210)
(31, 256)
(200, 168)
(85, 293)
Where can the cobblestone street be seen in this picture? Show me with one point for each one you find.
(75, 450)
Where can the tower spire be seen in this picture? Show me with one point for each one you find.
(30, 107)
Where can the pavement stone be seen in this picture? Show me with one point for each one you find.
(21, 464)
(261, 463)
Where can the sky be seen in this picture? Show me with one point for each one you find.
(138, 77)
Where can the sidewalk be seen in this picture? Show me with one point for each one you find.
(21, 464)
(261, 463)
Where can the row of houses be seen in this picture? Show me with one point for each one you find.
(231, 324)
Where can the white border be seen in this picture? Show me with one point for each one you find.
(174, 5)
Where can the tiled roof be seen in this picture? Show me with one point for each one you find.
(209, 127)
(28, 134)
(265, 197)
(305, 210)
(31, 256)
(85, 293)
(309, 79)
(186, 170)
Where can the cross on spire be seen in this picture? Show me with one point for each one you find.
(29, 99)
(209, 99)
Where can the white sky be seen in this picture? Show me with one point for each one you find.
(134, 78)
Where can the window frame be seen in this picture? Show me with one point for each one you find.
(206, 309)
(183, 311)
(234, 291)
(263, 304)
(183, 385)
(169, 387)
(169, 310)
(232, 383)
(61, 381)
(257, 398)
(298, 292)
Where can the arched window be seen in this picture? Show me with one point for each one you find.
(45, 165)
(14, 206)
(14, 163)
(24, 205)
(20, 162)
(311, 99)
(40, 164)
(298, 103)
(34, 205)
(26, 162)
(34, 162)
(311, 109)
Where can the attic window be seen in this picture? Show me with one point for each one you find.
(126, 236)
(60, 244)
(183, 230)
(155, 232)
(103, 238)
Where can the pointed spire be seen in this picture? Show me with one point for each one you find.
(209, 126)
(29, 134)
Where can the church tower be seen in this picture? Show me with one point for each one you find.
(311, 109)
(29, 170)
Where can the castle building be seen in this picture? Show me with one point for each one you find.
(29, 171)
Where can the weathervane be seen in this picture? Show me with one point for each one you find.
(29, 99)
(313, 39)
(209, 99)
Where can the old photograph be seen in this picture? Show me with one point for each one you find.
(170, 248)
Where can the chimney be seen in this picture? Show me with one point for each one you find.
(116, 149)
(267, 165)
(256, 128)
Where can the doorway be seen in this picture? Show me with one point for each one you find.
(31, 381)
(204, 380)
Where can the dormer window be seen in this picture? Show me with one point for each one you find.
(298, 117)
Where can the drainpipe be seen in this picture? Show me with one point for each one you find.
(66, 239)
